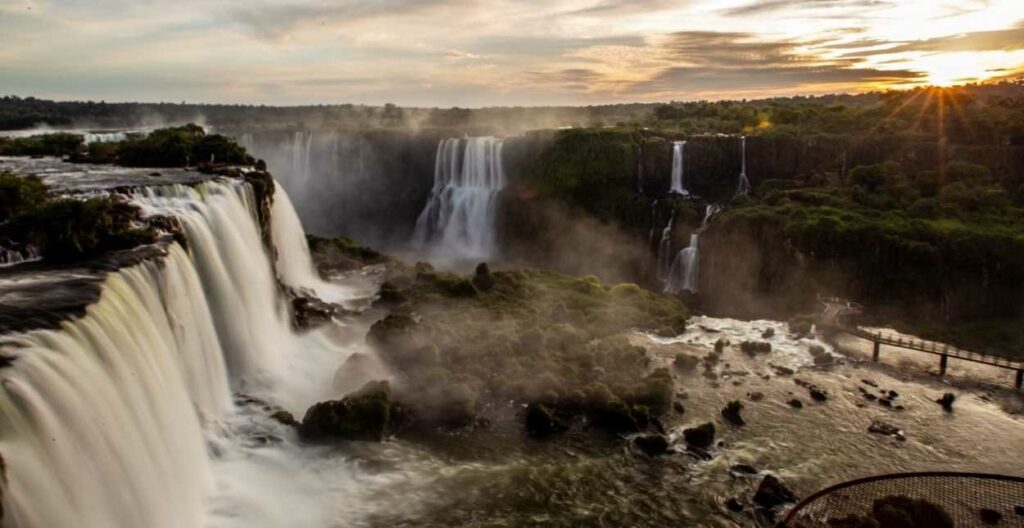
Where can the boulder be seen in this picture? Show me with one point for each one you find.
(685, 363)
(651, 444)
(310, 312)
(678, 408)
(285, 418)
(701, 436)
(817, 394)
(362, 415)
(946, 401)
(731, 413)
(796, 404)
(768, 334)
(753, 348)
(482, 279)
(772, 493)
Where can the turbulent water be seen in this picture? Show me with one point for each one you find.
(458, 219)
(678, 174)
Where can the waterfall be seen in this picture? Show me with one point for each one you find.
(458, 219)
(665, 248)
(123, 417)
(678, 174)
(11, 256)
(301, 167)
(684, 273)
(294, 263)
(103, 137)
(743, 186)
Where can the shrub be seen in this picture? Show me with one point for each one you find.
(19, 194)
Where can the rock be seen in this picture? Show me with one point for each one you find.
(540, 420)
(772, 493)
(731, 413)
(701, 436)
(783, 371)
(946, 401)
(362, 415)
(887, 429)
(768, 334)
(685, 363)
(310, 312)
(720, 345)
(755, 396)
(482, 279)
(390, 296)
(870, 383)
(990, 517)
(886, 402)
(651, 444)
(678, 408)
(733, 505)
(743, 469)
(756, 347)
(870, 397)
(285, 418)
(799, 326)
(796, 404)
(893, 394)
(821, 357)
(817, 394)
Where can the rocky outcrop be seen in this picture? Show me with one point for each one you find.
(362, 415)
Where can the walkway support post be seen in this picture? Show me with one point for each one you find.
(874, 353)
(942, 365)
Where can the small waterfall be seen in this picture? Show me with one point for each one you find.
(103, 137)
(743, 186)
(684, 273)
(301, 167)
(665, 249)
(678, 174)
(11, 256)
(458, 219)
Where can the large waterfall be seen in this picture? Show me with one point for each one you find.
(458, 220)
(678, 171)
(743, 185)
(123, 418)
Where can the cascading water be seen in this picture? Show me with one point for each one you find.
(301, 166)
(678, 174)
(743, 186)
(684, 275)
(103, 137)
(458, 220)
(124, 418)
(11, 256)
(664, 249)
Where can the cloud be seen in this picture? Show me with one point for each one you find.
(690, 81)
(996, 40)
(762, 7)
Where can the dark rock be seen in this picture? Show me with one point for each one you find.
(483, 280)
(685, 363)
(870, 383)
(768, 334)
(362, 415)
(772, 493)
(733, 505)
(756, 347)
(783, 371)
(887, 429)
(285, 418)
(540, 420)
(651, 444)
(990, 516)
(678, 407)
(893, 394)
(796, 404)
(310, 312)
(720, 345)
(946, 401)
(755, 396)
(701, 436)
(870, 397)
(817, 394)
(390, 296)
(743, 469)
(821, 357)
(886, 402)
(731, 413)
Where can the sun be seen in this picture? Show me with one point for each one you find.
(949, 69)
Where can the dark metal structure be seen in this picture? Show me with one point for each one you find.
(965, 500)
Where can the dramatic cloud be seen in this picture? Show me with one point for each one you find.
(496, 52)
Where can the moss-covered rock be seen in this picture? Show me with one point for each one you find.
(362, 415)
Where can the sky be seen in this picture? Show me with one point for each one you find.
(472, 53)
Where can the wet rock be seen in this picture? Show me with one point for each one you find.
(768, 334)
(755, 396)
(720, 345)
(772, 493)
(701, 436)
(362, 415)
(870, 397)
(731, 413)
(886, 429)
(821, 357)
(310, 312)
(885, 402)
(540, 420)
(753, 348)
(817, 394)
(678, 408)
(946, 401)
(712, 358)
(482, 279)
(285, 418)
(651, 444)
(893, 394)
(743, 469)
(685, 363)
(870, 383)
(783, 371)
(390, 296)
(990, 517)
(734, 505)
(796, 404)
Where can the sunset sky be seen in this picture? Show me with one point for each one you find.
(497, 52)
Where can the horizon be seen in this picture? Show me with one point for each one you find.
(452, 53)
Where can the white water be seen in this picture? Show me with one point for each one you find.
(123, 418)
(665, 250)
(104, 137)
(14, 256)
(684, 275)
(458, 219)
(743, 186)
(678, 174)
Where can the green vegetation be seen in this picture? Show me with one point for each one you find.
(179, 147)
(66, 228)
(535, 337)
(59, 144)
